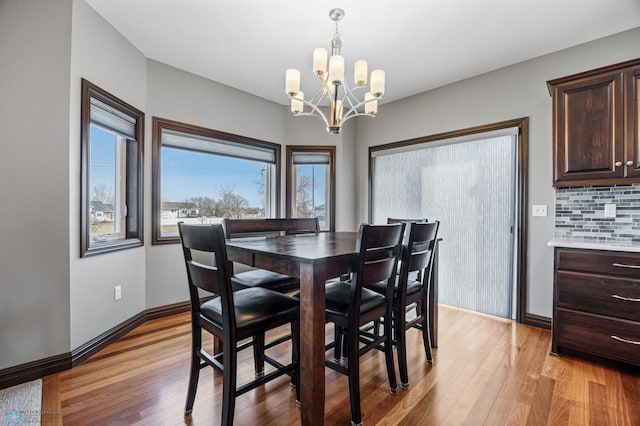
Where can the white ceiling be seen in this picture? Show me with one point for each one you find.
(421, 44)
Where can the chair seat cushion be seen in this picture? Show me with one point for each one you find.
(337, 299)
(254, 306)
(266, 279)
(413, 286)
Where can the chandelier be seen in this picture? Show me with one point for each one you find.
(334, 88)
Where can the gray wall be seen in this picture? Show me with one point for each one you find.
(101, 55)
(181, 96)
(512, 92)
(35, 45)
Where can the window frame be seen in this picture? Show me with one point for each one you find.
(294, 149)
(134, 186)
(160, 124)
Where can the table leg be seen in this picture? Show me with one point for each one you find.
(312, 340)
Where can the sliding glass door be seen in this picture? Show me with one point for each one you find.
(469, 187)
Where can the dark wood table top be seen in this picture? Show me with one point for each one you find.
(305, 248)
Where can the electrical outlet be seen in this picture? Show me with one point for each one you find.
(609, 210)
(540, 210)
(117, 292)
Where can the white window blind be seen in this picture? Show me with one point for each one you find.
(193, 142)
(311, 158)
(112, 119)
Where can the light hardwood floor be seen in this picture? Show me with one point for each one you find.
(486, 371)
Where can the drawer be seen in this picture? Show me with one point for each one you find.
(606, 337)
(617, 297)
(601, 262)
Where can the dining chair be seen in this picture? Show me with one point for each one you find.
(412, 289)
(338, 354)
(350, 305)
(244, 228)
(231, 316)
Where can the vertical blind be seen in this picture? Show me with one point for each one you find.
(469, 186)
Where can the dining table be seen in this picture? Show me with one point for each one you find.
(314, 259)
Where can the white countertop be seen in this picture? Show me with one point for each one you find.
(592, 245)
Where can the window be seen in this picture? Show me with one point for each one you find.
(202, 175)
(111, 186)
(311, 183)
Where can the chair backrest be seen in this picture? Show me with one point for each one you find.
(207, 241)
(378, 248)
(397, 220)
(417, 253)
(405, 239)
(240, 228)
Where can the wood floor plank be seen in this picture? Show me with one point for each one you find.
(486, 371)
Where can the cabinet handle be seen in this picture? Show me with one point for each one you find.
(628, 299)
(622, 265)
(620, 339)
(629, 163)
(618, 163)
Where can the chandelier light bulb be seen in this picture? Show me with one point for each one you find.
(377, 83)
(292, 85)
(360, 72)
(336, 70)
(319, 61)
(297, 103)
(370, 104)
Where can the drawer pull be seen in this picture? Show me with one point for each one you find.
(628, 299)
(620, 339)
(622, 265)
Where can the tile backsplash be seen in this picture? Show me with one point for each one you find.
(580, 214)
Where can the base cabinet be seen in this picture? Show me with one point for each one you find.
(596, 304)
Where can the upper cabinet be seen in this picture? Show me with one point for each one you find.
(632, 117)
(595, 126)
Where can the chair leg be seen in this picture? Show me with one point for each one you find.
(400, 335)
(353, 367)
(376, 328)
(426, 338)
(229, 384)
(295, 357)
(345, 347)
(194, 373)
(337, 338)
(258, 354)
(388, 353)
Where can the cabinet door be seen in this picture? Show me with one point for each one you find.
(632, 117)
(588, 126)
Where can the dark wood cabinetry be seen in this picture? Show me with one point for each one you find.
(595, 126)
(596, 304)
(632, 126)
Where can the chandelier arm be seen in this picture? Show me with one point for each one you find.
(358, 114)
(353, 112)
(317, 112)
